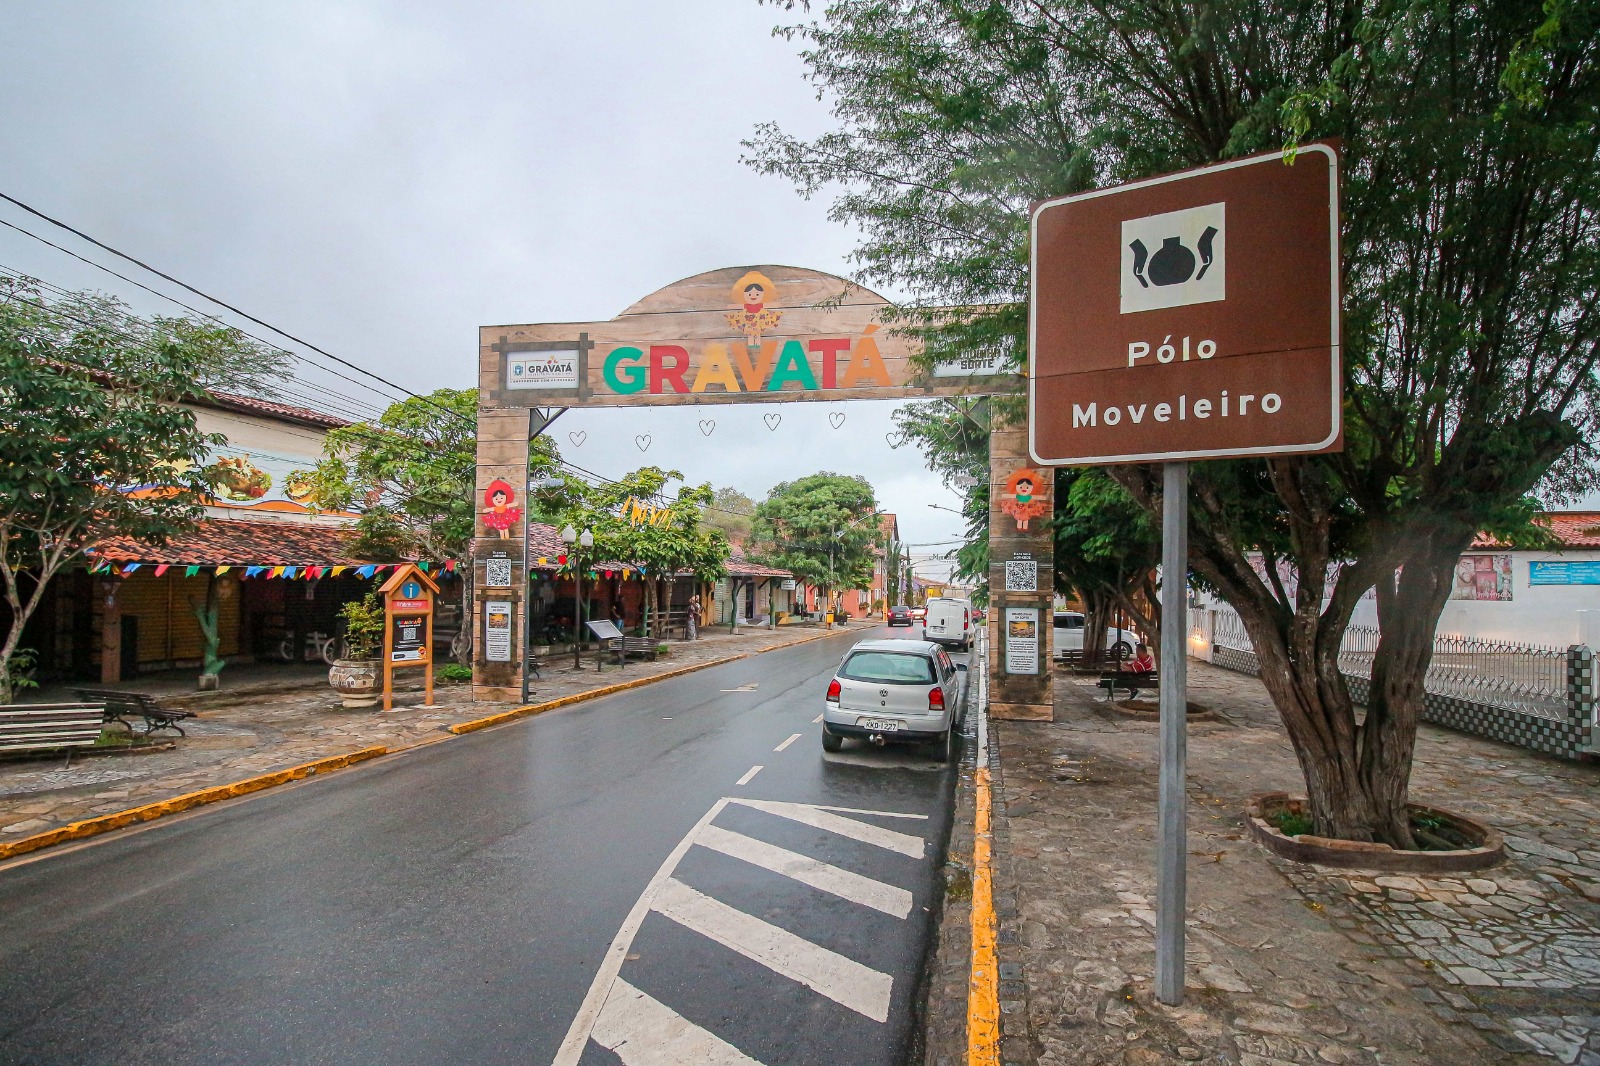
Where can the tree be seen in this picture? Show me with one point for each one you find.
(84, 418)
(1106, 551)
(732, 512)
(1471, 250)
(817, 528)
(684, 542)
(412, 474)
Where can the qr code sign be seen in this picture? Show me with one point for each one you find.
(497, 573)
(1022, 575)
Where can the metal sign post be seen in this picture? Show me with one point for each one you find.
(1171, 869)
(1188, 316)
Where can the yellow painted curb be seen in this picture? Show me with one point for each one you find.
(105, 823)
(983, 991)
(528, 710)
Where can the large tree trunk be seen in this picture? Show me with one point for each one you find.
(1097, 611)
(461, 646)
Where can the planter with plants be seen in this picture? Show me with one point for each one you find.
(358, 675)
(1447, 842)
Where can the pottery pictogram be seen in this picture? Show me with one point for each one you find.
(1172, 263)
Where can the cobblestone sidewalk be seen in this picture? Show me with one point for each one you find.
(1286, 963)
(238, 735)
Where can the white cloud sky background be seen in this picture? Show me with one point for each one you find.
(383, 178)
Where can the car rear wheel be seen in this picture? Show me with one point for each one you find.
(1122, 650)
(945, 748)
(831, 742)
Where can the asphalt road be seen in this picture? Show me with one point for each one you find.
(594, 875)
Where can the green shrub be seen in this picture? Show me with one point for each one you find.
(363, 626)
(1291, 823)
(453, 672)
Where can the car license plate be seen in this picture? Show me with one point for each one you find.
(882, 725)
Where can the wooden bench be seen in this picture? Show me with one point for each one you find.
(638, 647)
(119, 706)
(36, 726)
(1133, 681)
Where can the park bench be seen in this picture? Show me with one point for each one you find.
(120, 706)
(35, 726)
(639, 647)
(1132, 681)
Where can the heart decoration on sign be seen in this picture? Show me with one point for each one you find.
(707, 425)
(837, 418)
(772, 420)
(642, 441)
(578, 438)
(895, 439)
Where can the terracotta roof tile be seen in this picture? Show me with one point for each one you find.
(1572, 529)
(228, 401)
(226, 542)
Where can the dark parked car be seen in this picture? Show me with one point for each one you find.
(900, 616)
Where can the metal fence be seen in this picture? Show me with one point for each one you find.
(1528, 678)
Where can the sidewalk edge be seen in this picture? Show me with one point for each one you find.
(105, 823)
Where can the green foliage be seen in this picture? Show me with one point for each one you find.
(454, 672)
(1291, 823)
(205, 615)
(363, 626)
(819, 528)
(953, 437)
(732, 512)
(24, 661)
(687, 542)
(1470, 206)
(85, 418)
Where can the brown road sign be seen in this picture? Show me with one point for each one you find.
(1191, 316)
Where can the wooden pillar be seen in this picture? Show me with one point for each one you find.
(110, 631)
(1020, 594)
(499, 571)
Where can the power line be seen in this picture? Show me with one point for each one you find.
(220, 303)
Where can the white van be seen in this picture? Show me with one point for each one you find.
(949, 622)
(1068, 636)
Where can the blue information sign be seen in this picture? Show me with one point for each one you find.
(1586, 572)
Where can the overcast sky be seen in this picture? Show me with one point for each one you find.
(383, 178)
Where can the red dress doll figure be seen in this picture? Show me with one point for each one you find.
(499, 514)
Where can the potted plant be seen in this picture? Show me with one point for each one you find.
(356, 677)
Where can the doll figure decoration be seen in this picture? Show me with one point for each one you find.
(752, 293)
(1019, 500)
(498, 514)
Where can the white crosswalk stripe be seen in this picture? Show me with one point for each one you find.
(819, 875)
(642, 1031)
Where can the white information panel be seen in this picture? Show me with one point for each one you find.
(1022, 640)
(497, 631)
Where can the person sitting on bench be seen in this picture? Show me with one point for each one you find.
(1141, 667)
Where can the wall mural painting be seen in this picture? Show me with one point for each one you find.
(498, 514)
(1020, 497)
(1482, 577)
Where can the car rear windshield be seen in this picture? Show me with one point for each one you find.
(888, 668)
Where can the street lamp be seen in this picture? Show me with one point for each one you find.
(942, 507)
(585, 540)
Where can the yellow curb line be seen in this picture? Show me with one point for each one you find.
(105, 823)
(983, 990)
(528, 710)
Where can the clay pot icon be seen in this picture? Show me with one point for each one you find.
(1173, 264)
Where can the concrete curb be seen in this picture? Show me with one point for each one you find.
(531, 709)
(105, 823)
(161, 808)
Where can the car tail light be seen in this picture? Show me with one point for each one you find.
(936, 699)
(834, 688)
(966, 619)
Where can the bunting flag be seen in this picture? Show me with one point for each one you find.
(449, 566)
(223, 570)
(543, 561)
(190, 571)
(562, 559)
(130, 568)
(161, 568)
(364, 571)
(424, 566)
(252, 571)
(339, 570)
(277, 571)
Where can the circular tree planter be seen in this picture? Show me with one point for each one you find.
(356, 681)
(1488, 851)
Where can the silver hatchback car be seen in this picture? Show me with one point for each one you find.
(905, 691)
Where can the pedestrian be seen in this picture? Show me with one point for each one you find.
(1142, 667)
(617, 617)
(694, 617)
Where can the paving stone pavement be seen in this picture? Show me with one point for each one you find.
(1286, 963)
(262, 728)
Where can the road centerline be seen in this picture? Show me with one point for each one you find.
(786, 743)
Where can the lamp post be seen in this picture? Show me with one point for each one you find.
(574, 540)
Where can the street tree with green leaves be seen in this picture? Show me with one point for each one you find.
(411, 474)
(94, 444)
(819, 529)
(685, 542)
(1471, 276)
(732, 512)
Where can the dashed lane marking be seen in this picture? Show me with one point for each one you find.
(817, 719)
(748, 774)
(786, 743)
(808, 871)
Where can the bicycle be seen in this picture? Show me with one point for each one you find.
(318, 645)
